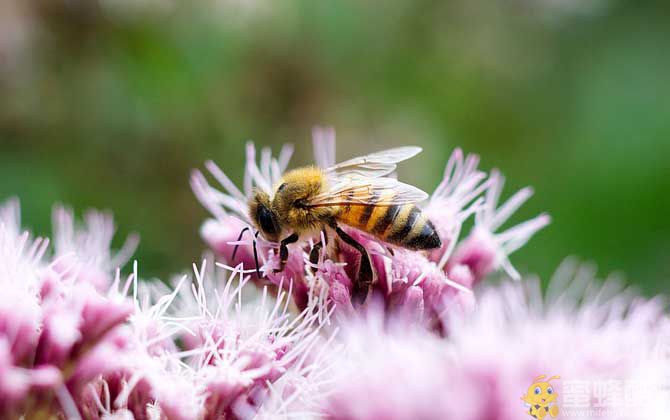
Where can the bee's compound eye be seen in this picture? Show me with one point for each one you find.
(550, 390)
(538, 390)
(267, 221)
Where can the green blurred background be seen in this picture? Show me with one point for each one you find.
(111, 103)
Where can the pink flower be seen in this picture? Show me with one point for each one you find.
(583, 332)
(233, 351)
(293, 275)
(390, 368)
(338, 284)
(18, 383)
(484, 251)
(454, 200)
(74, 344)
(52, 323)
(222, 237)
(85, 251)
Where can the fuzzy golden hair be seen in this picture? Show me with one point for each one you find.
(294, 191)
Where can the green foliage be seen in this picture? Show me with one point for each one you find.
(112, 108)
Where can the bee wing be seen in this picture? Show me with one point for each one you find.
(369, 191)
(374, 165)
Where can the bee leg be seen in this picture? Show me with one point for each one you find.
(283, 251)
(364, 279)
(314, 255)
(316, 250)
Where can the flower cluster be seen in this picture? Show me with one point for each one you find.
(424, 284)
(586, 334)
(74, 344)
(78, 340)
(205, 352)
(56, 327)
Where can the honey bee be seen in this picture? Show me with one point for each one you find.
(358, 193)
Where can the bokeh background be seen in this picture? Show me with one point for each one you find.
(111, 103)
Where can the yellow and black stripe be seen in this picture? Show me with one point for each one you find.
(403, 225)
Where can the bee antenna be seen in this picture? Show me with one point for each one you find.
(239, 238)
(258, 273)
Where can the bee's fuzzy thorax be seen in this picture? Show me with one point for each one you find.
(296, 187)
(311, 177)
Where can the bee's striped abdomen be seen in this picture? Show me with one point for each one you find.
(403, 225)
(406, 226)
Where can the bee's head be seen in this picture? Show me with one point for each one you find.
(262, 215)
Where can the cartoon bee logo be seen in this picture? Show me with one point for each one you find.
(359, 193)
(541, 398)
